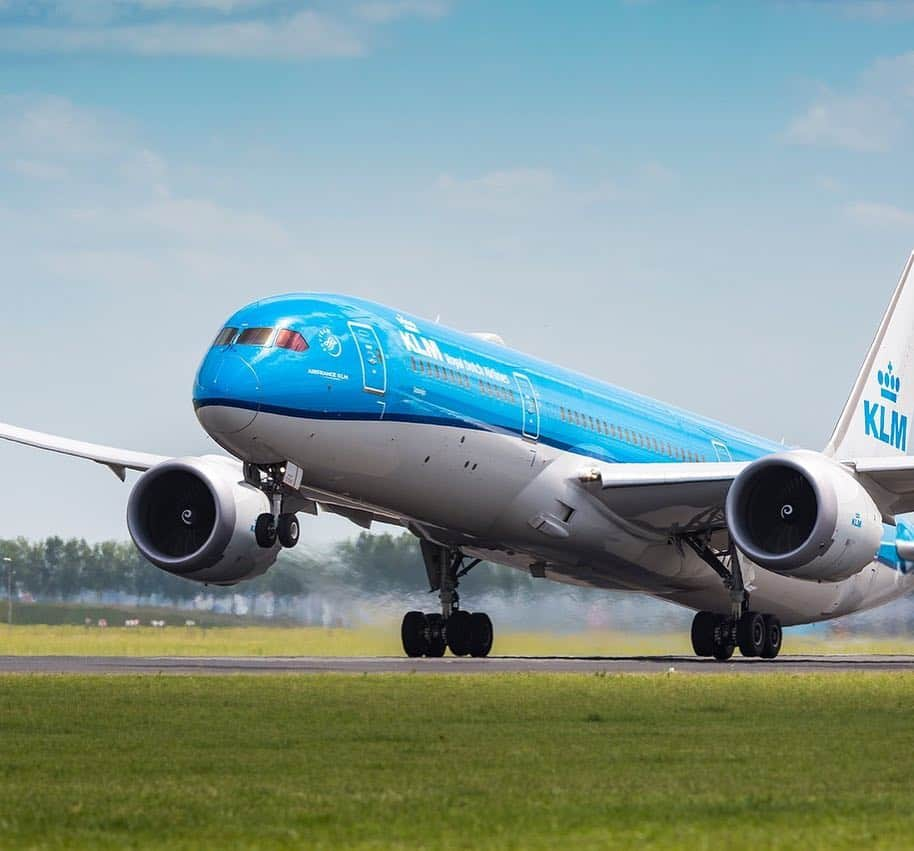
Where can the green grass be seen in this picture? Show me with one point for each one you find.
(75, 614)
(381, 640)
(514, 761)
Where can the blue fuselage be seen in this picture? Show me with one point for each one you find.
(366, 362)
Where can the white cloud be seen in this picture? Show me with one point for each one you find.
(657, 174)
(506, 191)
(50, 139)
(880, 215)
(135, 207)
(856, 123)
(198, 221)
(53, 126)
(281, 29)
(303, 35)
(224, 6)
(145, 168)
(527, 190)
(875, 10)
(872, 118)
(826, 183)
(37, 169)
(382, 11)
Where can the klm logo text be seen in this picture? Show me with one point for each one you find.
(421, 345)
(883, 423)
(888, 426)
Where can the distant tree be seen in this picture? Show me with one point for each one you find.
(375, 565)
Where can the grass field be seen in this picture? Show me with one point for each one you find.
(514, 761)
(75, 614)
(368, 641)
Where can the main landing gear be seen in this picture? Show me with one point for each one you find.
(276, 525)
(718, 635)
(463, 633)
(754, 633)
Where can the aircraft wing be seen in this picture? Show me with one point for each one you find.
(658, 499)
(118, 460)
(889, 480)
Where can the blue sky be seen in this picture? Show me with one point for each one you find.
(706, 202)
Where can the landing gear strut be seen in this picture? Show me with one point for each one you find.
(717, 635)
(463, 633)
(275, 524)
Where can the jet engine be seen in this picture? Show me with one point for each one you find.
(194, 517)
(802, 515)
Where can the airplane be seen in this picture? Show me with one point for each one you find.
(329, 403)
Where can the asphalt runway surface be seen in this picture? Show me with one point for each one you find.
(174, 665)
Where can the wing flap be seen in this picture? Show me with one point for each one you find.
(117, 460)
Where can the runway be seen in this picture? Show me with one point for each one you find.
(175, 665)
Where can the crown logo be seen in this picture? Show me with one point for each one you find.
(889, 383)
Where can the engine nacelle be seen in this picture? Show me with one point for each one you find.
(802, 515)
(194, 517)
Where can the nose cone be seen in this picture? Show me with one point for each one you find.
(226, 393)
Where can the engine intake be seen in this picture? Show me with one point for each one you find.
(800, 514)
(194, 517)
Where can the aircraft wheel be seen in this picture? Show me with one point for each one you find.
(723, 650)
(481, 634)
(773, 637)
(288, 530)
(459, 629)
(265, 531)
(750, 634)
(703, 626)
(436, 636)
(413, 634)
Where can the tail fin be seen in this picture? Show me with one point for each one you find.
(876, 419)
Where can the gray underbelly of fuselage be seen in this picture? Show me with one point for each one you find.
(484, 489)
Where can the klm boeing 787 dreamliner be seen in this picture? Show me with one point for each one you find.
(324, 402)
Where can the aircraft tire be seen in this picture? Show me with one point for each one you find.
(413, 634)
(773, 637)
(265, 531)
(437, 643)
(722, 652)
(288, 530)
(458, 630)
(703, 625)
(750, 634)
(481, 634)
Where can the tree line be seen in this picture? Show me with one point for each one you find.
(59, 569)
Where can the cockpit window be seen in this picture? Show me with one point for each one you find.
(225, 337)
(292, 340)
(254, 337)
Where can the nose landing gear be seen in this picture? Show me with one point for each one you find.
(276, 525)
(463, 633)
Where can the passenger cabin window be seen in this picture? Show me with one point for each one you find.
(291, 340)
(254, 337)
(225, 337)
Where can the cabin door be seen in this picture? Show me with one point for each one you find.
(721, 450)
(529, 405)
(374, 364)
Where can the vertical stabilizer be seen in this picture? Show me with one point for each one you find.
(877, 419)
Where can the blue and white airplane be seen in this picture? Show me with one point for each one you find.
(329, 403)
